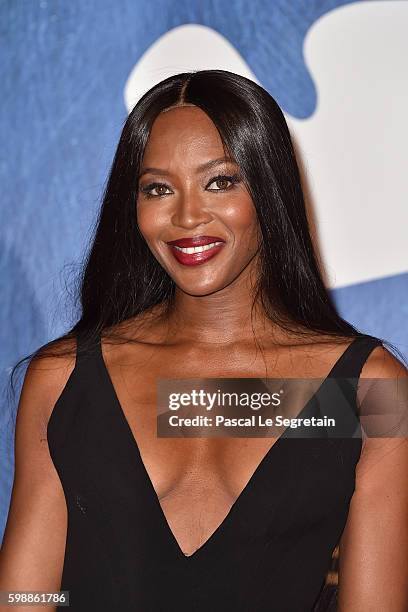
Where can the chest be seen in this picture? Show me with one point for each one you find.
(202, 490)
(197, 481)
(187, 469)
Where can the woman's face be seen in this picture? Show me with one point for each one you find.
(186, 192)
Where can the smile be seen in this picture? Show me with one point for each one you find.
(197, 249)
(191, 256)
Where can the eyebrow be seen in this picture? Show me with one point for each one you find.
(201, 168)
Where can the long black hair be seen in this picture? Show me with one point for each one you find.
(121, 278)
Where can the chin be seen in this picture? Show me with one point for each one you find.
(199, 290)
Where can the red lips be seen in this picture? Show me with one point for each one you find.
(194, 241)
(195, 259)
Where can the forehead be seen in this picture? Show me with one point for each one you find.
(183, 131)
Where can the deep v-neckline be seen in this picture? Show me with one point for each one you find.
(238, 502)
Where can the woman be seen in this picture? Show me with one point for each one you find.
(127, 520)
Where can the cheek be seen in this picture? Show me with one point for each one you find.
(241, 217)
(149, 220)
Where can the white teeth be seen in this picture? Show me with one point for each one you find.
(197, 249)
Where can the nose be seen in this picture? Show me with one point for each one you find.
(190, 211)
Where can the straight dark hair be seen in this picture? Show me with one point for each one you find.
(121, 278)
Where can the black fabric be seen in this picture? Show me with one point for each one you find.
(272, 551)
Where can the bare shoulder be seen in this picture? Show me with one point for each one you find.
(34, 539)
(385, 392)
(45, 379)
(381, 363)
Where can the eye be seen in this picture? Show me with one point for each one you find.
(160, 189)
(222, 181)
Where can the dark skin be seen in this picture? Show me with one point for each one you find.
(197, 480)
(209, 334)
(218, 291)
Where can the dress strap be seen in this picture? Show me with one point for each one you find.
(347, 372)
(86, 348)
(354, 357)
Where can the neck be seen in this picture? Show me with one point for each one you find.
(222, 317)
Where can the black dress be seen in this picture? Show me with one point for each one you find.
(272, 551)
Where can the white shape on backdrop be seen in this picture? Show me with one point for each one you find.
(353, 147)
